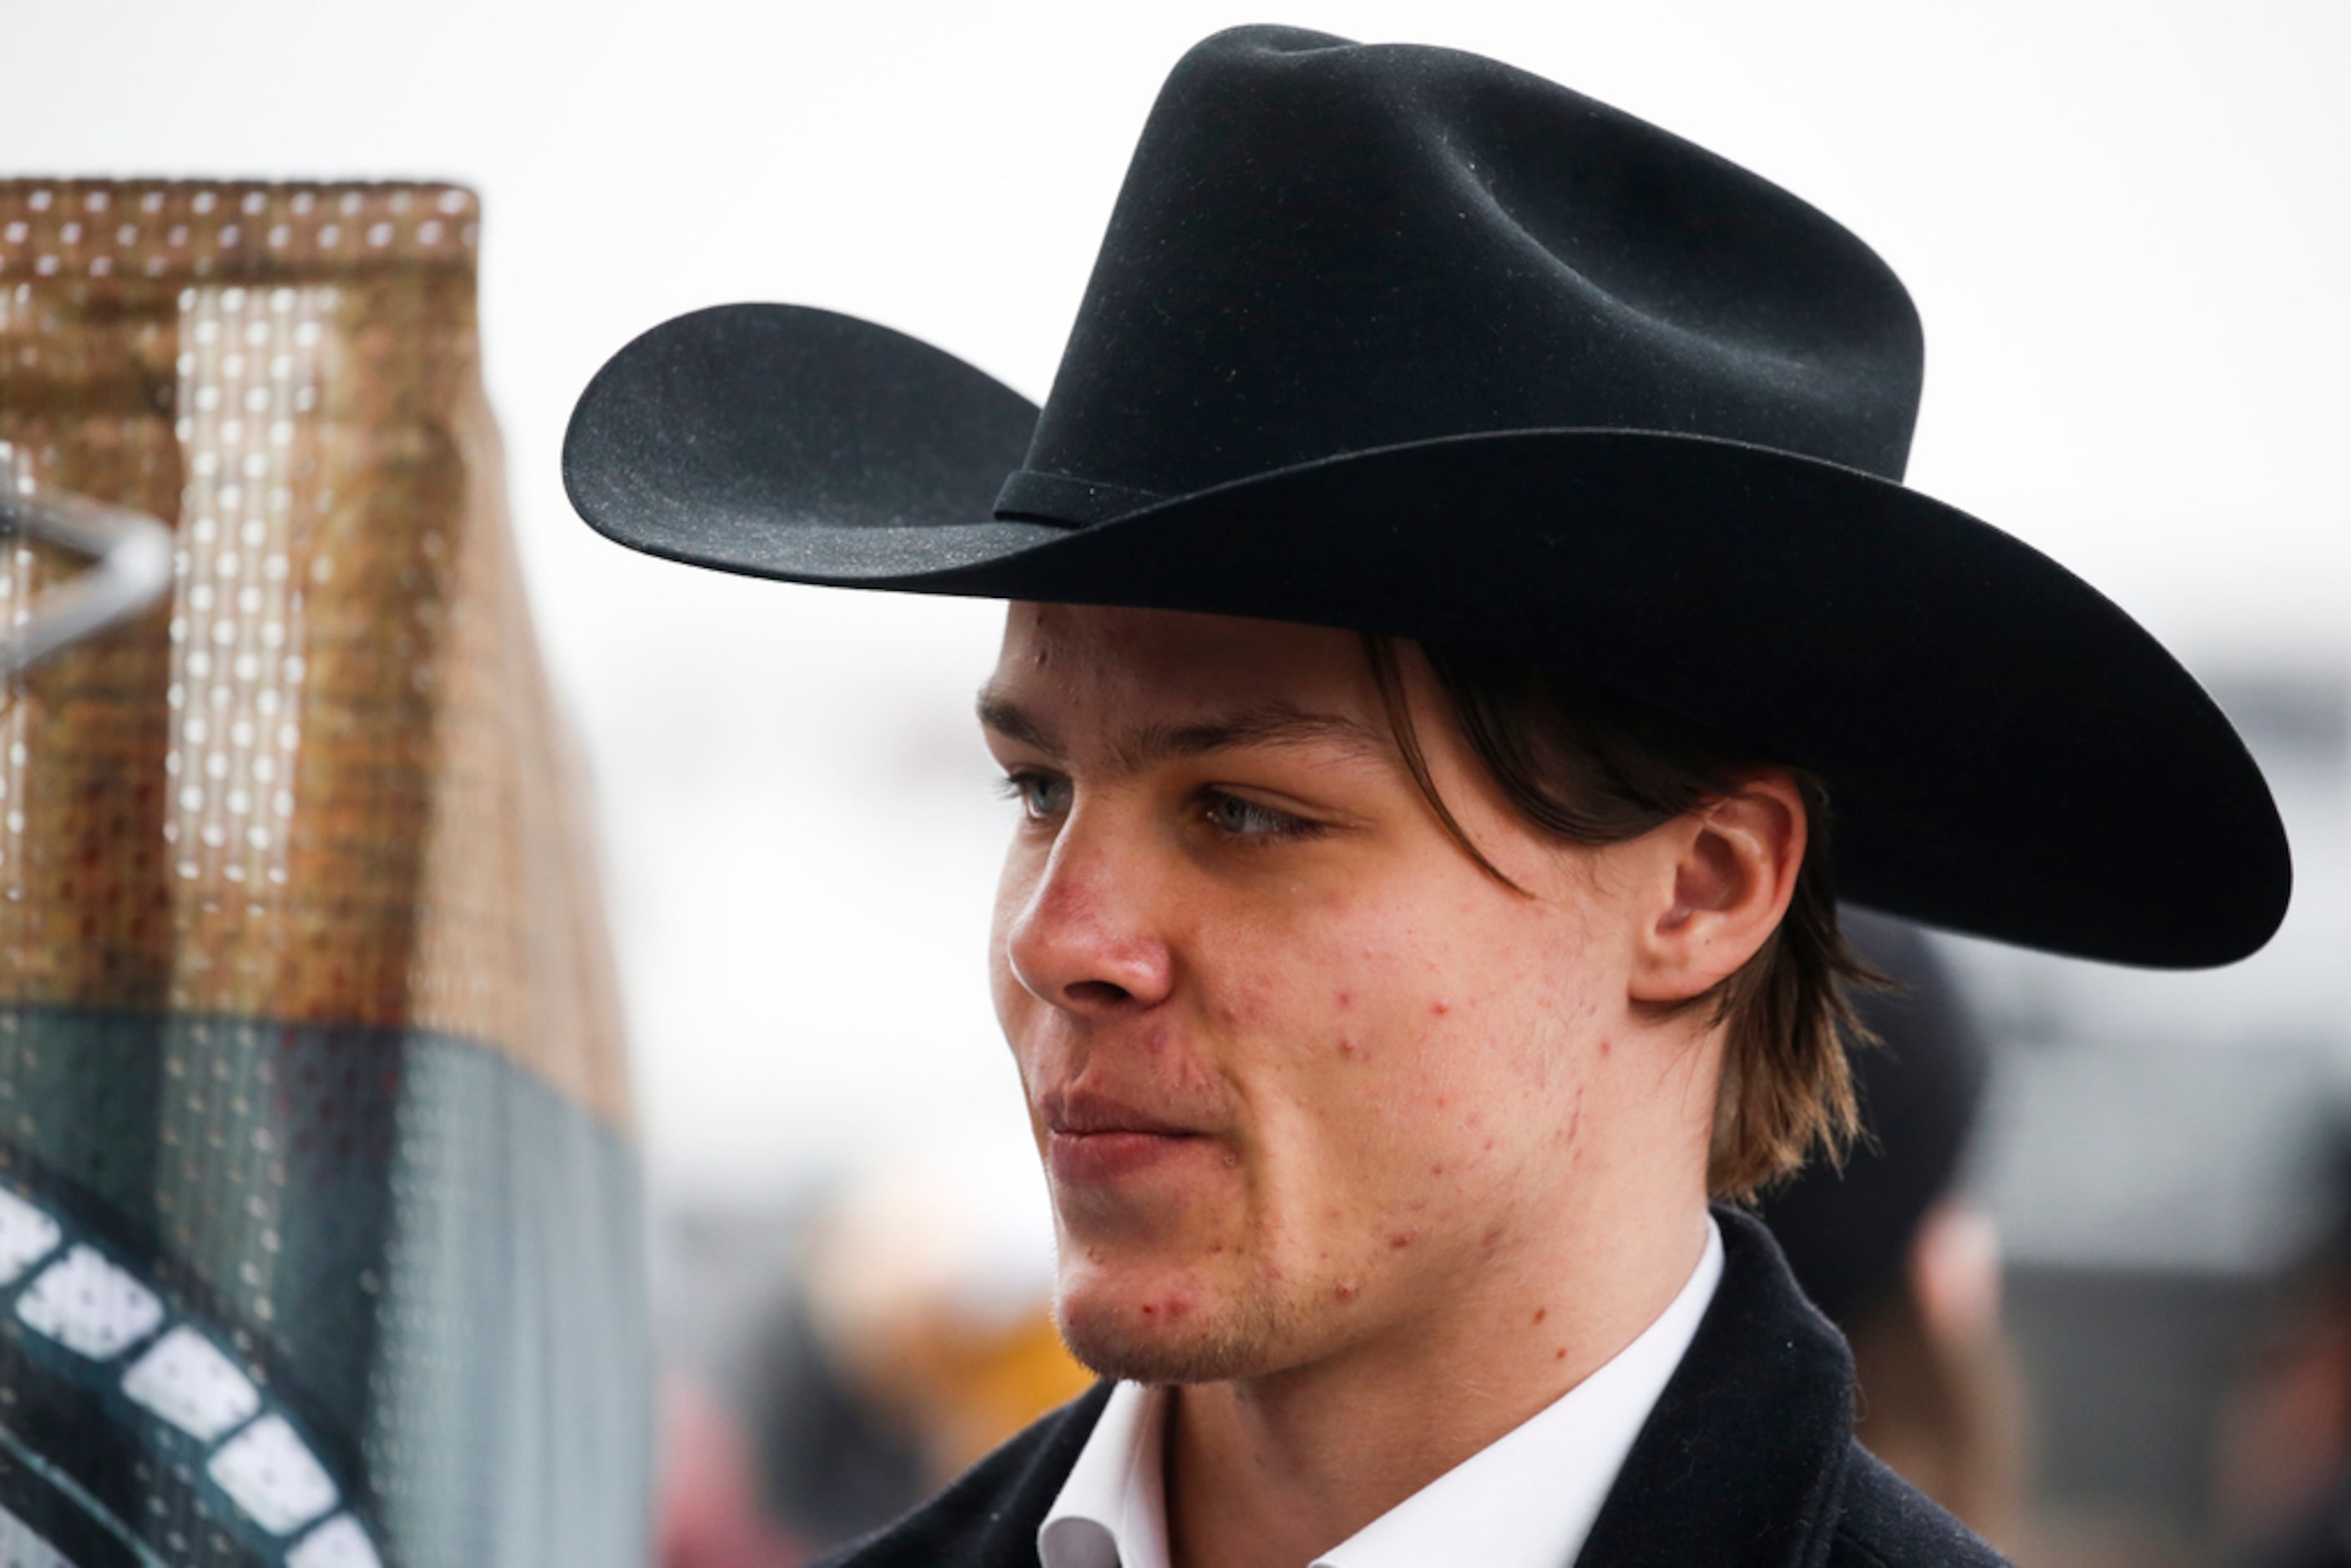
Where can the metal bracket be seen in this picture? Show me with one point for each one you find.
(130, 557)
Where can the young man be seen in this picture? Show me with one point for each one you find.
(1461, 561)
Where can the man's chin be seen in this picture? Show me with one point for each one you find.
(1139, 1341)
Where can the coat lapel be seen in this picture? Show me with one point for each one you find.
(1742, 1464)
(989, 1518)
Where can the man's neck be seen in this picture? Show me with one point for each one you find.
(1270, 1472)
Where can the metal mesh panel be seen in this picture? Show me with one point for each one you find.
(317, 1207)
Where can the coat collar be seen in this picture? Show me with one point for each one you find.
(1741, 1463)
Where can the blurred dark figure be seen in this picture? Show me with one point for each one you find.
(1894, 1256)
(2285, 1450)
(912, 1335)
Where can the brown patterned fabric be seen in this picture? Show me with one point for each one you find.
(317, 1198)
(324, 784)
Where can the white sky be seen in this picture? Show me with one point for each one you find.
(2125, 227)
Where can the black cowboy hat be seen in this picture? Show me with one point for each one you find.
(1403, 340)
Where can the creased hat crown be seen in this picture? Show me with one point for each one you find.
(1325, 247)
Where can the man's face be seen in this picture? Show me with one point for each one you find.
(1301, 1071)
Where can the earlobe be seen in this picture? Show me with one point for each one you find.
(1727, 872)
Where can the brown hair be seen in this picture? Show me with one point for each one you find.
(1594, 767)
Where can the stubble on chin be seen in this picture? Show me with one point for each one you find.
(1212, 1343)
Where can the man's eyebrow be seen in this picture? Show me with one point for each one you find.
(1263, 724)
(1266, 723)
(1013, 721)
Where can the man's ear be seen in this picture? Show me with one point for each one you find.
(1725, 875)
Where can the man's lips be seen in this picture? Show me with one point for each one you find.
(1085, 1113)
(1091, 1138)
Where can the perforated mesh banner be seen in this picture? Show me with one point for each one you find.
(318, 1212)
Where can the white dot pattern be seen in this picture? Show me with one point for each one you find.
(20, 586)
(252, 359)
(215, 231)
(369, 1110)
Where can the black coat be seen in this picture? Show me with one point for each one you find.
(1748, 1461)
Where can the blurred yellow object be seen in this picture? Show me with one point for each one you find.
(969, 1391)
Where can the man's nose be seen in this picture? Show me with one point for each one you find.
(1090, 936)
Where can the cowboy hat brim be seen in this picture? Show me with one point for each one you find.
(2008, 753)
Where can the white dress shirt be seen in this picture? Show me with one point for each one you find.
(1526, 1500)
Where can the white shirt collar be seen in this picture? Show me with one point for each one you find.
(1112, 1511)
(1526, 1500)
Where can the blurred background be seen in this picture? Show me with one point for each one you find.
(2126, 229)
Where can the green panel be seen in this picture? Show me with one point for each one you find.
(424, 1257)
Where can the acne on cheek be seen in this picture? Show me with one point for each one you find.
(1474, 1124)
(1352, 1047)
(1246, 1005)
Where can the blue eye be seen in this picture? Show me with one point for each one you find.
(1042, 796)
(1248, 820)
